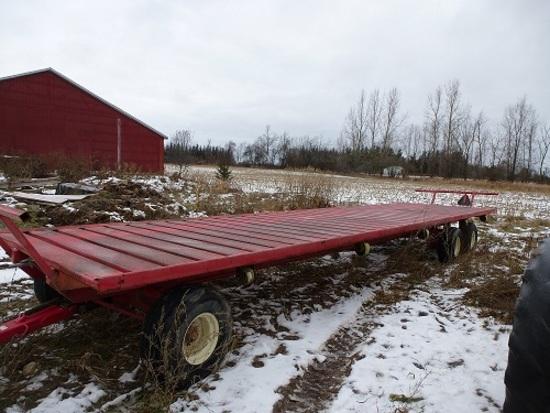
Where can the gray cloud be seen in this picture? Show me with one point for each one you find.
(226, 69)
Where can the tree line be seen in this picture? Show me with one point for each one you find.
(452, 141)
(181, 150)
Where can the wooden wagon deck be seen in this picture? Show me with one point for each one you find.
(111, 258)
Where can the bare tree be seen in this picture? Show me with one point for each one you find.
(531, 134)
(519, 124)
(543, 146)
(434, 120)
(283, 148)
(497, 150)
(374, 113)
(182, 138)
(412, 137)
(481, 139)
(433, 125)
(355, 126)
(269, 141)
(469, 133)
(391, 119)
(453, 115)
(181, 143)
(240, 151)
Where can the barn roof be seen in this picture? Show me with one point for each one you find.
(72, 82)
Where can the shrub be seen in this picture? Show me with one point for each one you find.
(73, 170)
(309, 191)
(25, 167)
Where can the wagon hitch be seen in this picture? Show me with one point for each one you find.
(9, 216)
(42, 315)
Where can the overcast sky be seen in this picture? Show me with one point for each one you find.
(225, 69)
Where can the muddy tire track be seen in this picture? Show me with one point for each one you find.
(321, 381)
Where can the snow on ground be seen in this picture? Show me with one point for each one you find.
(65, 401)
(9, 275)
(431, 354)
(246, 388)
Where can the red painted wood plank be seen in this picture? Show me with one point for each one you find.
(257, 228)
(321, 227)
(161, 232)
(106, 256)
(67, 261)
(288, 227)
(177, 247)
(253, 235)
(129, 248)
(217, 233)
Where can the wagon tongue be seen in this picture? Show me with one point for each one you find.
(9, 216)
(34, 319)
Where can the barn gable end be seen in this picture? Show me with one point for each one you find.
(44, 112)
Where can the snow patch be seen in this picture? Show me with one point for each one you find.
(438, 354)
(57, 400)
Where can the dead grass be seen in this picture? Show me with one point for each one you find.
(309, 191)
(216, 197)
(498, 186)
(496, 297)
(24, 167)
(98, 346)
(455, 183)
(492, 273)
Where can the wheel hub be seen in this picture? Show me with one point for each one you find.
(201, 338)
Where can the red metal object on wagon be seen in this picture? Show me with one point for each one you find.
(473, 194)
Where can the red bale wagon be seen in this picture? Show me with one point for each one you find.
(158, 271)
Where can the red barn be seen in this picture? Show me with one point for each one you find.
(44, 112)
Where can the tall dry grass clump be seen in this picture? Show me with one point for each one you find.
(309, 191)
(294, 191)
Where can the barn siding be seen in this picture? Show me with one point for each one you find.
(43, 113)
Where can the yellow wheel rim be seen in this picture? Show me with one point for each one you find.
(201, 338)
(457, 247)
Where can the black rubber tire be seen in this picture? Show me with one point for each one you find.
(445, 246)
(527, 376)
(166, 324)
(469, 237)
(43, 292)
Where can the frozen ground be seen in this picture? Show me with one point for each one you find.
(337, 334)
(430, 354)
